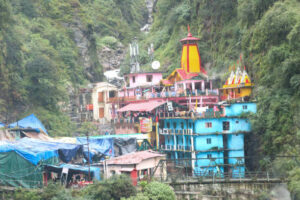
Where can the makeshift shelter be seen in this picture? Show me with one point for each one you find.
(98, 147)
(30, 121)
(75, 169)
(22, 161)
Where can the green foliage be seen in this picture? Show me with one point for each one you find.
(159, 191)
(154, 191)
(40, 61)
(114, 188)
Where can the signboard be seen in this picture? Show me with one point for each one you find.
(145, 124)
(65, 170)
(170, 106)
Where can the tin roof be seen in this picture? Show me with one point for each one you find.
(134, 158)
(143, 107)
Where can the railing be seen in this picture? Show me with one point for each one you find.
(213, 170)
(151, 95)
(185, 114)
(172, 148)
(166, 131)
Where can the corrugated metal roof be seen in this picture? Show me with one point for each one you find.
(142, 107)
(134, 158)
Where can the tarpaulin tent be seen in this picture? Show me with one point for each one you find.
(21, 161)
(73, 169)
(124, 146)
(30, 121)
(97, 147)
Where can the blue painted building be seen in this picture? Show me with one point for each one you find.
(215, 145)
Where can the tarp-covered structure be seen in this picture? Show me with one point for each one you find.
(1, 125)
(110, 145)
(22, 161)
(30, 121)
(98, 147)
(75, 169)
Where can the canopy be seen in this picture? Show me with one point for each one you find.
(142, 107)
(76, 168)
(36, 150)
(97, 147)
(30, 121)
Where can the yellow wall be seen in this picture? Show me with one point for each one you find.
(194, 58)
(243, 92)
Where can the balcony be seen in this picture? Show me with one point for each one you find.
(185, 114)
(175, 131)
(153, 95)
(178, 148)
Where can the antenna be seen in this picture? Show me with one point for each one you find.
(155, 65)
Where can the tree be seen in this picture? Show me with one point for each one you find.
(45, 85)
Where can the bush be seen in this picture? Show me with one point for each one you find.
(111, 189)
(159, 191)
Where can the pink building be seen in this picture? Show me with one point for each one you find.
(143, 79)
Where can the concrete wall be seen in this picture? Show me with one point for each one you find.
(202, 145)
(235, 141)
(237, 109)
(102, 87)
(236, 125)
(141, 79)
(203, 159)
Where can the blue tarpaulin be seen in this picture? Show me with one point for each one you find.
(84, 169)
(1, 125)
(36, 150)
(30, 121)
(97, 146)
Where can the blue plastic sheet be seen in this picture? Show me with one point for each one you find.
(1, 125)
(97, 146)
(85, 169)
(36, 150)
(30, 121)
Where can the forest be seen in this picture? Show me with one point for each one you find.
(40, 62)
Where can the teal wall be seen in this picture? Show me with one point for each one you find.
(237, 109)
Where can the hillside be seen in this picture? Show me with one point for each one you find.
(48, 49)
(267, 34)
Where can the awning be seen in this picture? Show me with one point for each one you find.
(142, 107)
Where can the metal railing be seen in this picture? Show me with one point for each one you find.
(151, 95)
(186, 114)
(221, 169)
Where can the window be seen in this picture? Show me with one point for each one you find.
(245, 107)
(112, 94)
(208, 125)
(210, 172)
(239, 90)
(174, 125)
(190, 125)
(198, 86)
(149, 78)
(226, 126)
(168, 124)
(182, 126)
(208, 155)
(236, 121)
(208, 140)
(207, 85)
(133, 79)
